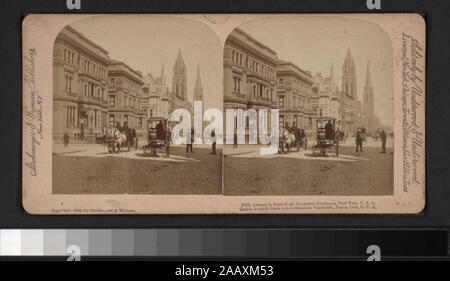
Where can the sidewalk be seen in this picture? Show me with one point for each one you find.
(76, 147)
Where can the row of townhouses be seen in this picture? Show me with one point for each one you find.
(92, 92)
(255, 78)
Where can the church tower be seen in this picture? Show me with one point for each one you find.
(163, 76)
(332, 81)
(368, 101)
(349, 76)
(198, 89)
(179, 83)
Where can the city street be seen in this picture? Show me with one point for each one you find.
(89, 168)
(301, 173)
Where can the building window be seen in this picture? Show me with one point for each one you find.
(320, 112)
(92, 90)
(70, 115)
(112, 101)
(140, 123)
(281, 121)
(280, 83)
(281, 101)
(111, 120)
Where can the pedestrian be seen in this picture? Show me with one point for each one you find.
(383, 141)
(235, 140)
(189, 145)
(213, 135)
(359, 141)
(133, 137)
(66, 139)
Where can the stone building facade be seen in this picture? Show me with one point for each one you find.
(80, 91)
(158, 100)
(125, 91)
(295, 97)
(156, 97)
(326, 97)
(249, 74)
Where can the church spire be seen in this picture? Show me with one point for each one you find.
(163, 76)
(198, 89)
(179, 78)
(368, 102)
(179, 56)
(332, 75)
(368, 79)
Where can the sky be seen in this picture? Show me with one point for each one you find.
(314, 43)
(146, 42)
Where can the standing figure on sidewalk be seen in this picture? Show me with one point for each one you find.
(383, 141)
(235, 139)
(359, 141)
(213, 134)
(66, 139)
(189, 145)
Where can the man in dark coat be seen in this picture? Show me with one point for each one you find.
(189, 145)
(329, 130)
(66, 139)
(160, 130)
(213, 134)
(359, 141)
(133, 136)
(383, 141)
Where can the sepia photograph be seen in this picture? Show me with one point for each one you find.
(332, 81)
(116, 82)
(223, 114)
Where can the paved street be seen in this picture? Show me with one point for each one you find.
(301, 173)
(89, 168)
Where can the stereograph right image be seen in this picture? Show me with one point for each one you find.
(331, 80)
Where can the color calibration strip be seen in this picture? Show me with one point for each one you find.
(224, 243)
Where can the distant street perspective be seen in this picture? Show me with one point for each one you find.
(113, 96)
(334, 97)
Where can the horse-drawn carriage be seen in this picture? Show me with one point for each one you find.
(291, 138)
(115, 139)
(327, 137)
(158, 136)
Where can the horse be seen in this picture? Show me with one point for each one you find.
(115, 138)
(288, 139)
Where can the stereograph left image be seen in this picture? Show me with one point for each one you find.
(116, 82)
